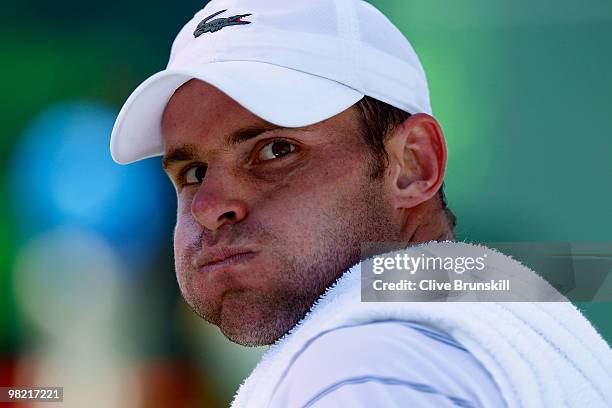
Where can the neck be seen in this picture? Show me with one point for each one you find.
(427, 222)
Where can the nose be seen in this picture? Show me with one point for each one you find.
(213, 206)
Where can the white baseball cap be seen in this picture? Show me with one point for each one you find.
(292, 63)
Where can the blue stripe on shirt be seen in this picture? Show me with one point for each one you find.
(460, 402)
(434, 335)
(438, 336)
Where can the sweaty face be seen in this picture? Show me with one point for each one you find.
(267, 217)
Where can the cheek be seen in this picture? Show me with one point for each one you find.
(185, 230)
(327, 183)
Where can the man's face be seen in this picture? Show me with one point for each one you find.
(267, 217)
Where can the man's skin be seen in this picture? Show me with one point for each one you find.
(286, 210)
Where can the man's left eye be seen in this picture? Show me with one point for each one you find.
(274, 150)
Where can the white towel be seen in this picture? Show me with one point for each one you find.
(539, 354)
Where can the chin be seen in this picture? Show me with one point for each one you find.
(248, 338)
(245, 321)
(248, 333)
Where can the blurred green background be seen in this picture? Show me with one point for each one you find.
(88, 294)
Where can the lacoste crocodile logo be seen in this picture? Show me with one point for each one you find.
(207, 26)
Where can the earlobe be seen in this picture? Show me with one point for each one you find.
(417, 154)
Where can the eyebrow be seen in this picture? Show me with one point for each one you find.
(189, 152)
(180, 154)
(249, 132)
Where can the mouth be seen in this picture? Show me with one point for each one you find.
(225, 258)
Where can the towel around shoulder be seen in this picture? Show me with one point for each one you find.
(540, 354)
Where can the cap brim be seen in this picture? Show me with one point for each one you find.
(279, 95)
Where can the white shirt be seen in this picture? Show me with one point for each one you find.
(389, 363)
(541, 354)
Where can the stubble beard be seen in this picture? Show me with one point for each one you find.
(303, 277)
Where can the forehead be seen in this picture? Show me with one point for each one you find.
(199, 113)
(196, 107)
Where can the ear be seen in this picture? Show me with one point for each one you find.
(417, 159)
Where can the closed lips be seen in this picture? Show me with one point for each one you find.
(216, 256)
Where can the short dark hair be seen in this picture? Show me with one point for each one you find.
(378, 120)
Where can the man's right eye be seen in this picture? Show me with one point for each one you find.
(195, 174)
